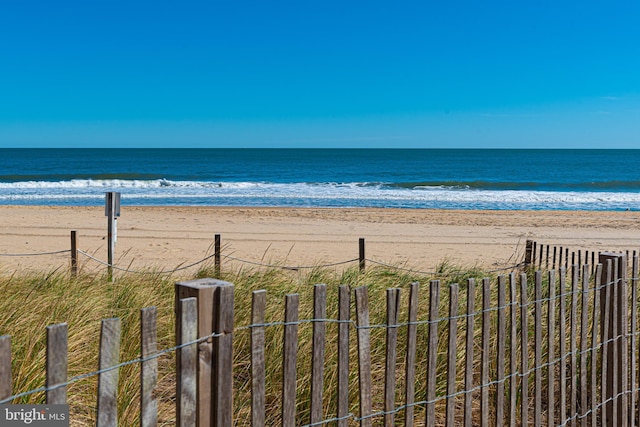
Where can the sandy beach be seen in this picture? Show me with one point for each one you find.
(167, 237)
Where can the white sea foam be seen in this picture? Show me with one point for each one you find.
(162, 191)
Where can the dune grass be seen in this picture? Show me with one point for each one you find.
(31, 301)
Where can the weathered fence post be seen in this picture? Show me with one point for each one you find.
(6, 385)
(107, 411)
(222, 372)
(74, 253)
(204, 290)
(56, 364)
(344, 316)
(148, 367)
(258, 375)
(289, 359)
(364, 355)
(112, 212)
(216, 257)
(317, 364)
(613, 276)
(186, 376)
(361, 256)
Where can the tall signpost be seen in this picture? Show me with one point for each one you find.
(112, 212)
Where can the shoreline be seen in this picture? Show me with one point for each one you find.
(164, 237)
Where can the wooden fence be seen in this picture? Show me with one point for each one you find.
(547, 348)
(551, 257)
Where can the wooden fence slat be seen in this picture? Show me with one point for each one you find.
(57, 363)
(551, 353)
(452, 356)
(222, 372)
(562, 345)
(594, 346)
(222, 360)
(432, 352)
(410, 370)
(547, 259)
(633, 397)
(258, 304)
(513, 356)
(289, 359)
(615, 345)
(537, 350)
(393, 309)
(500, 354)
(186, 384)
(524, 348)
(584, 330)
(6, 386)
(148, 368)
(528, 253)
(364, 355)
(344, 316)
(469, 365)
(541, 255)
(317, 362)
(484, 357)
(573, 340)
(605, 332)
(107, 411)
(623, 355)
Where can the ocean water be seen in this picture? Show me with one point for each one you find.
(430, 178)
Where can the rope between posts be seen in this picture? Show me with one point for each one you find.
(261, 264)
(290, 268)
(37, 254)
(146, 272)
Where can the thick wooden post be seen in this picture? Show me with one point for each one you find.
(204, 292)
(361, 256)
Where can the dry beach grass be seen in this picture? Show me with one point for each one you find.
(460, 244)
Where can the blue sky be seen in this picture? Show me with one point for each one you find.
(320, 74)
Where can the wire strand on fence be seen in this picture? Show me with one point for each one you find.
(110, 368)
